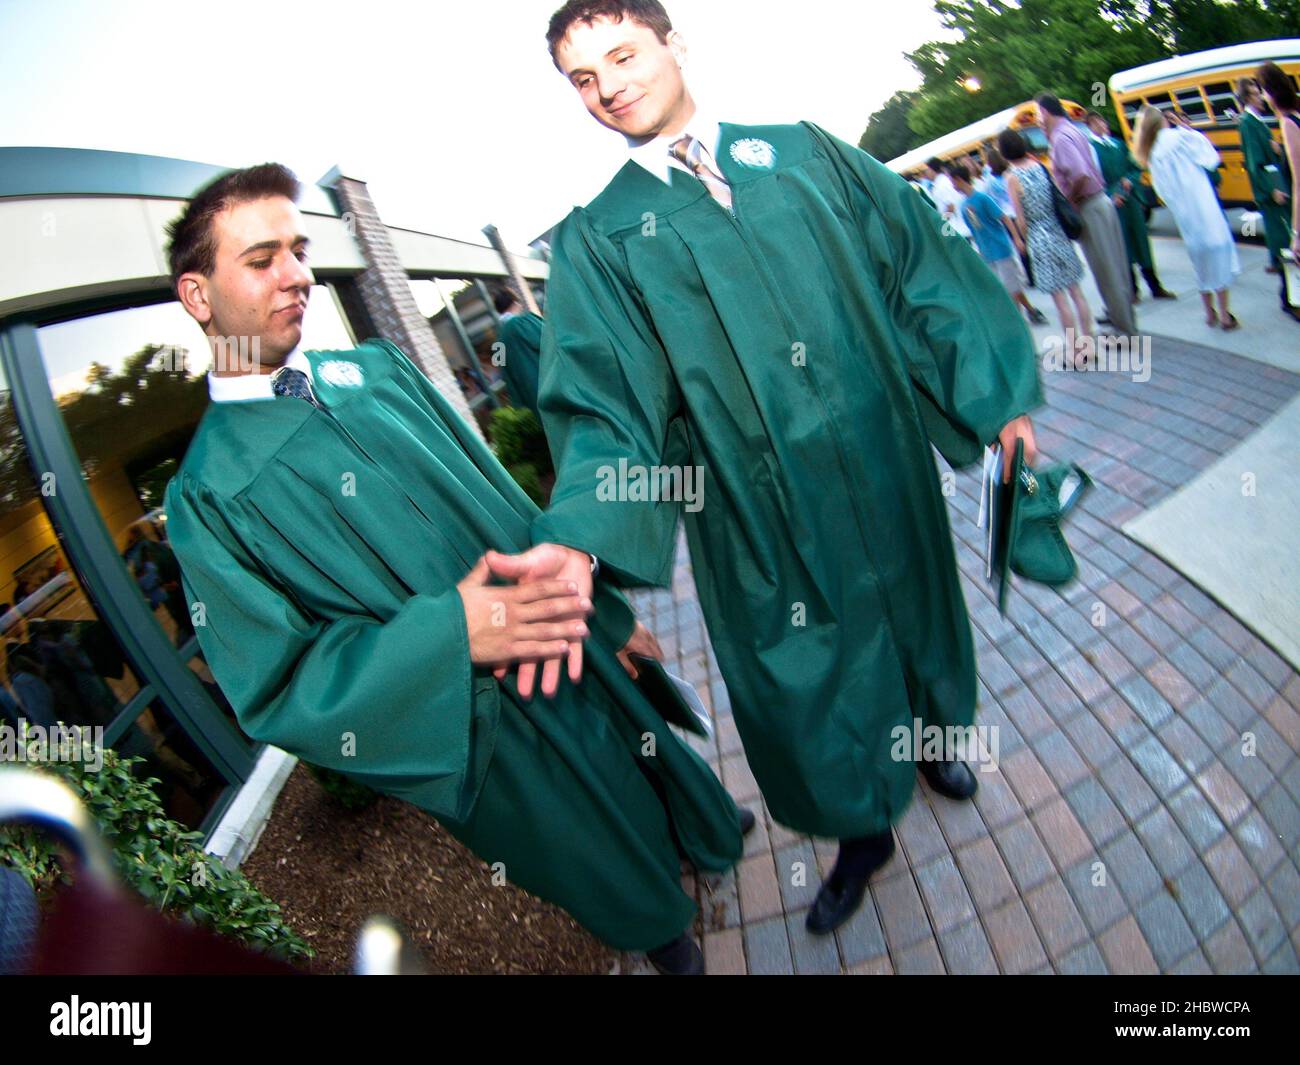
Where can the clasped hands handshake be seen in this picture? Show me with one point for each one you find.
(540, 619)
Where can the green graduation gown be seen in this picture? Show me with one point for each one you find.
(321, 549)
(521, 337)
(1117, 163)
(1267, 172)
(803, 353)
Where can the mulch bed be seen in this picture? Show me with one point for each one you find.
(330, 868)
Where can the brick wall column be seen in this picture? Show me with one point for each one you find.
(385, 291)
(522, 289)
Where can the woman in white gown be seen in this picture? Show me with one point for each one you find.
(1180, 159)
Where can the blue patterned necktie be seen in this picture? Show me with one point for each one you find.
(290, 382)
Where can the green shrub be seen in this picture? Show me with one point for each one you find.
(520, 444)
(158, 858)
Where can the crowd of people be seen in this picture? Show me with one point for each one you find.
(1006, 202)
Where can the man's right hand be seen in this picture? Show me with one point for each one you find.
(525, 623)
(547, 562)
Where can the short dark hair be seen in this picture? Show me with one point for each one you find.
(936, 164)
(1050, 104)
(1274, 81)
(191, 247)
(996, 162)
(504, 300)
(649, 13)
(959, 170)
(1012, 145)
(1096, 114)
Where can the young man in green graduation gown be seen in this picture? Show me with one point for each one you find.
(1270, 183)
(331, 518)
(520, 337)
(775, 310)
(1123, 179)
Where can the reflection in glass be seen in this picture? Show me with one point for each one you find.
(188, 784)
(199, 667)
(58, 660)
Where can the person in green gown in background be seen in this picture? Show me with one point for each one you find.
(331, 519)
(772, 314)
(520, 337)
(1123, 179)
(1270, 180)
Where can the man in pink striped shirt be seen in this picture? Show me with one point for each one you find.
(1077, 173)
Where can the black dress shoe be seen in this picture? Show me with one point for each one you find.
(681, 957)
(953, 779)
(747, 820)
(841, 894)
(1163, 294)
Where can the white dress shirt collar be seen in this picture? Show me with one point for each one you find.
(655, 157)
(254, 386)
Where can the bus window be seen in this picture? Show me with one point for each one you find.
(1222, 103)
(1161, 100)
(1191, 103)
(1131, 109)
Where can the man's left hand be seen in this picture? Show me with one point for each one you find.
(641, 642)
(1017, 429)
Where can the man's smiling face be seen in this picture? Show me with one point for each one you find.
(629, 80)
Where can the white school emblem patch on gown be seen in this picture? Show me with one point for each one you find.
(341, 374)
(754, 153)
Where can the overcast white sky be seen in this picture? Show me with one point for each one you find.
(499, 136)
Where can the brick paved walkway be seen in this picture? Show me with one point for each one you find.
(1120, 743)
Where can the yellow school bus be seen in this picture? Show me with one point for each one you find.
(1023, 118)
(1200, 86)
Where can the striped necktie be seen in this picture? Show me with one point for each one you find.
(689, 151)
(287, 381)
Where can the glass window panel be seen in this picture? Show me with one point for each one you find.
(198, 665)
(188, 783)
(1192, 104)
(58, 660)
(1222, 102)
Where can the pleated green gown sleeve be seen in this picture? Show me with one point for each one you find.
(802, 353)
(320, 551)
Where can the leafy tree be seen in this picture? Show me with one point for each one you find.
(888, 134)
(1070, 47)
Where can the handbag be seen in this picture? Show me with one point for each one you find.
(1065, 212)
